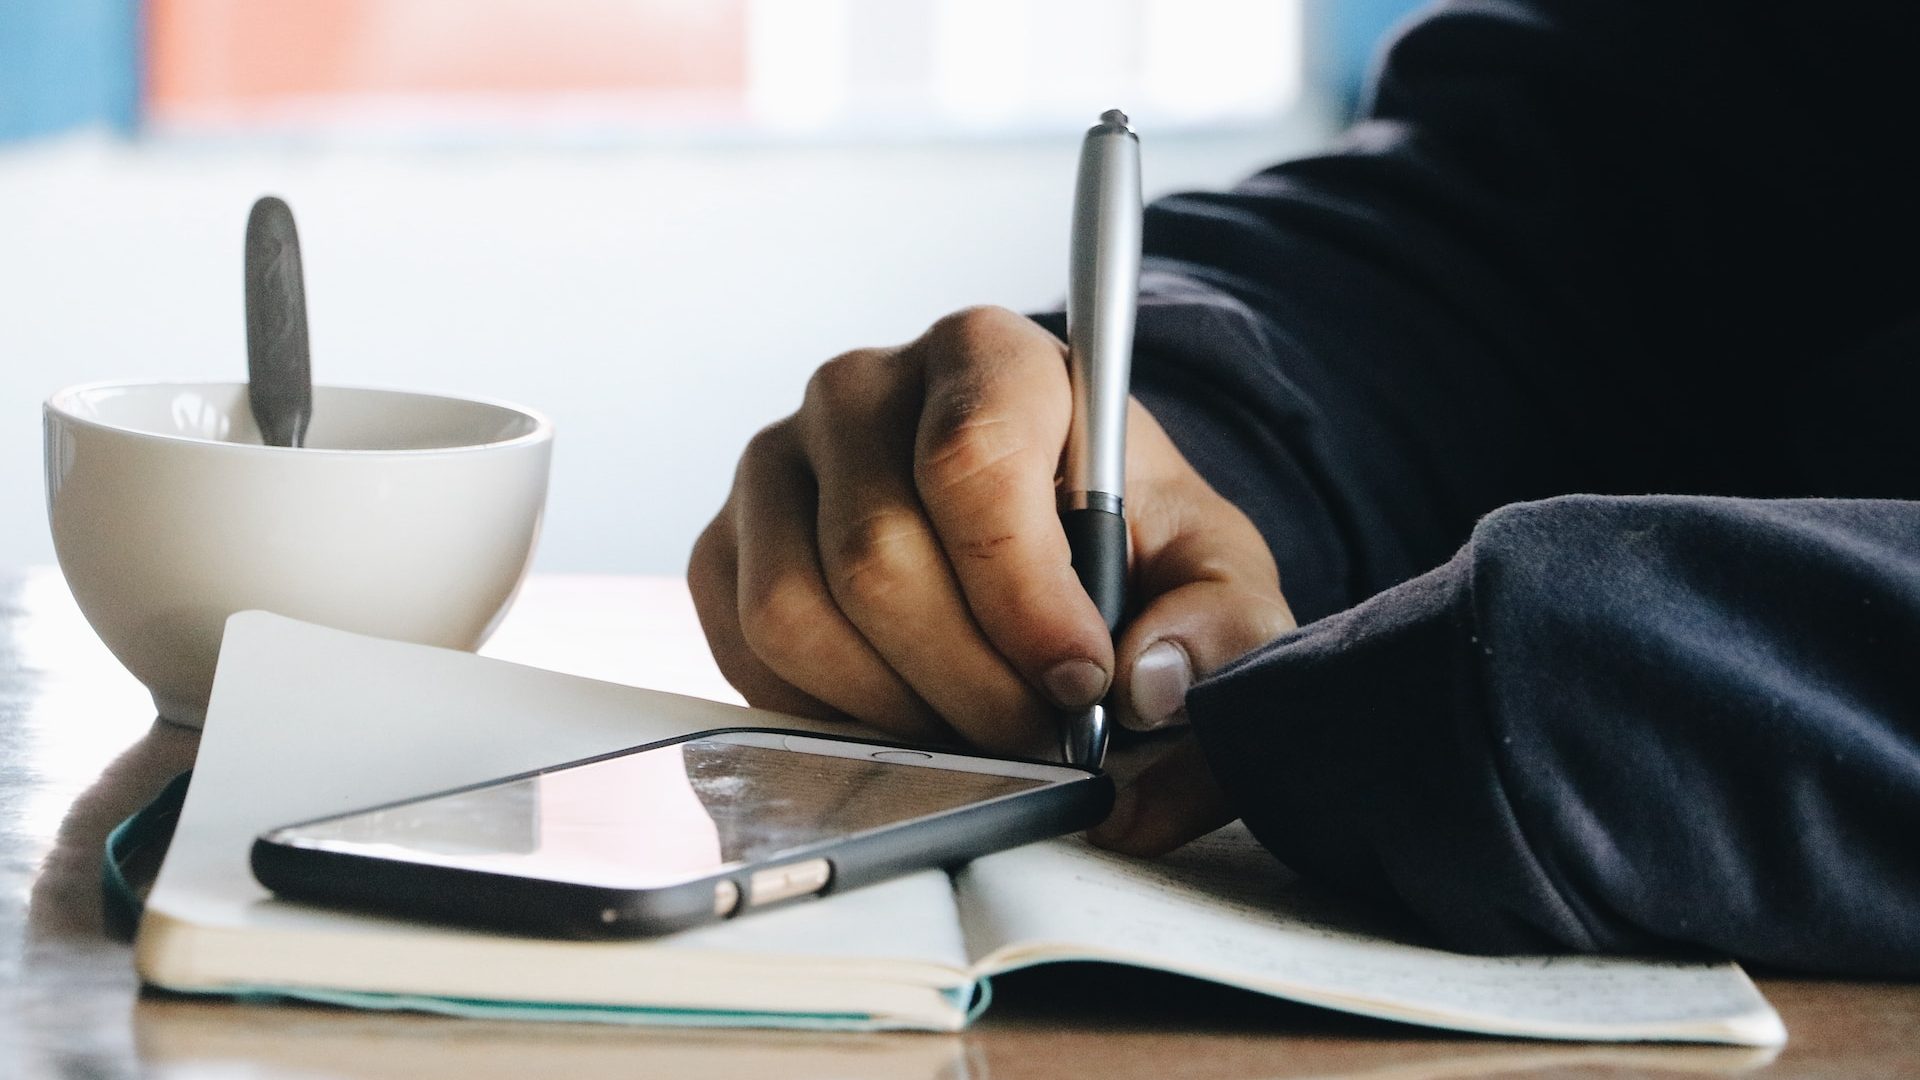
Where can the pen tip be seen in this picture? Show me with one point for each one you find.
(1114, 116)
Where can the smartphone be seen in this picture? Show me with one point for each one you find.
(675, 834)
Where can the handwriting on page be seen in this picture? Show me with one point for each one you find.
(1224, 909)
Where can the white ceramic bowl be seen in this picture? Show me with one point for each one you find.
(405, 516)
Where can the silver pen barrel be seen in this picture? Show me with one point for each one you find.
(1103, 286)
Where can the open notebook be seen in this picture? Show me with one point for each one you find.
(307, 721)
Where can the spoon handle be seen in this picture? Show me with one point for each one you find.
(279, 381)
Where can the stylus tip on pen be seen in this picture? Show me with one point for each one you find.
(1114, 116)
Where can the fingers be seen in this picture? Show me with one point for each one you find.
(995, 416)
(894, 553)
(787, 618)
(1184, 635)
(1176, 799)
(885, 567)
(713, 573)
(1211, 594)
(1209, 590)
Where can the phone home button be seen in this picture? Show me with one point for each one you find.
(901, 757)
(785, 882)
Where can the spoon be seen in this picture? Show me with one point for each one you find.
(279, 382)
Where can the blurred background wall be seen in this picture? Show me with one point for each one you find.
(649, 219)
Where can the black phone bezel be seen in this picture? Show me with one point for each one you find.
(553, 908)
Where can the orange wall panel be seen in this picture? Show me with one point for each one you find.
(207, 57)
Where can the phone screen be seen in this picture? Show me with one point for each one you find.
(656, 817)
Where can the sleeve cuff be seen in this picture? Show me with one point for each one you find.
(1359, 750)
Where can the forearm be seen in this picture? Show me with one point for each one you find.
(1609, 724)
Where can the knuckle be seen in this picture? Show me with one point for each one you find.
(1236, 622)
(970, 329)
(780, 618)
(1244, 566)
(705, 564)
(878, 556)
(770, 443)
(967, 448)
(848, 382)
(1270, 617)
(1236, 533)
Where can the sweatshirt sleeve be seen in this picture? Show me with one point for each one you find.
(1610, 724)
(1613, 248)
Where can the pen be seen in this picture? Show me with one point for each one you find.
(1103, 292)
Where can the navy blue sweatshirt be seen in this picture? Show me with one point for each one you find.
(1576, 391)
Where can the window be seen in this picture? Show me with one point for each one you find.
(617, 69)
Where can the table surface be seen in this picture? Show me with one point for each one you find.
(79, 750)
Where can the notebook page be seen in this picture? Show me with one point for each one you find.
(307, 721)
(1223, 909)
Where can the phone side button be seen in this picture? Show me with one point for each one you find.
(786, 882)
(726, 897)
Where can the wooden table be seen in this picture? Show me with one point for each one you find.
(79, 750)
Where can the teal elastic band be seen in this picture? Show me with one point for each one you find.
(152, 826)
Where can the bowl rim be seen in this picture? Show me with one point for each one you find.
(542, 430)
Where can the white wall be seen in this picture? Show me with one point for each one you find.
(659, 304)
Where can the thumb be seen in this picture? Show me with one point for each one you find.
(1211, 595)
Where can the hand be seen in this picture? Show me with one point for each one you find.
(892, 553)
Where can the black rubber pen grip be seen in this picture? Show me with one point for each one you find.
(1098, 541)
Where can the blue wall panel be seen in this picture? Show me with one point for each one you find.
(1350, 32)
(67, 64)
